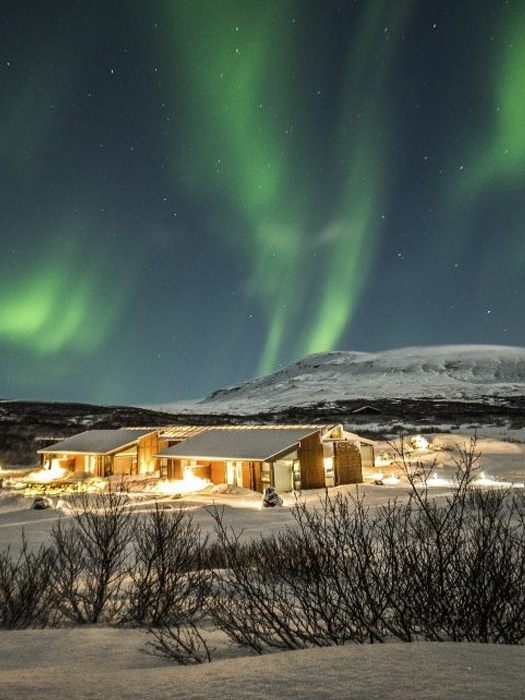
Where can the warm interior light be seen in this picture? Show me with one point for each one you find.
(328, 464)
(383, 460)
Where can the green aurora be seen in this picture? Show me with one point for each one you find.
(59, 304)
(296, 177)
(240, 119)
(499, 149)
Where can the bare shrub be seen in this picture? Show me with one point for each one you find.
(214, 556)
(168, 582)
(335, 544)
(299, 588)
(253, 606)
(319, 584)
(492, 569)
(182, 642)
(169, 585)
(465, 558)
(434, 569)
(91, 557)
(26, 588)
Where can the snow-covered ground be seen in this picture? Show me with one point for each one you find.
(449, 372)
(106, 664)
(500, 461)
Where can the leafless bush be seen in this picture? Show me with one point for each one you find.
(464, 558)
(300, 588)
(91, 557)
(25, 588)
(251, 605)
(449, 569)
(169, 586)
(465, 561)
(360, 564)
(182, 642)
(492, 570)
(168, 581)
(214, 556)
(328, 581)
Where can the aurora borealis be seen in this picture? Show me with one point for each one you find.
(195, 192)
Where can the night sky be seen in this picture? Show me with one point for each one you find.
(196, 192)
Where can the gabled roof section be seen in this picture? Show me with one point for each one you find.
(183, 432)
(101, 442)
(356, 438)
(252, 444)
(174, 432)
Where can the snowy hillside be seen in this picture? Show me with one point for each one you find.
(453, 372)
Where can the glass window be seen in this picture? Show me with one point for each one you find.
(266, 474)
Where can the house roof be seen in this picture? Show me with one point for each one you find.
(357, 438)
(252, 444)
(100, 442)
(183, 432)
(174, 432)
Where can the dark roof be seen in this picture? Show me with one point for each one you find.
(253, 444)
(97, 441)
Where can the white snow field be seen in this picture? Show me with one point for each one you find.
(100, 663)
(501, 462)
(106, 664)
(448, 372)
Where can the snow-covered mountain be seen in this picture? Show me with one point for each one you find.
(449, 372)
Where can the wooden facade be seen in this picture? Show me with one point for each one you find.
(248, 475)
(253, 480)
(348, 468)
(147, 447)
(217, 472)
(306, 467)
(311, 459)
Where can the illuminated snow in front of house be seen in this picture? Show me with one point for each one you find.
(50, 474)
(190, 484)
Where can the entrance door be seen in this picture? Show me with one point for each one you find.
(283, 476)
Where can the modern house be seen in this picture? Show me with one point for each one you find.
(287, 457)
(106, 452)
(254, 457)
